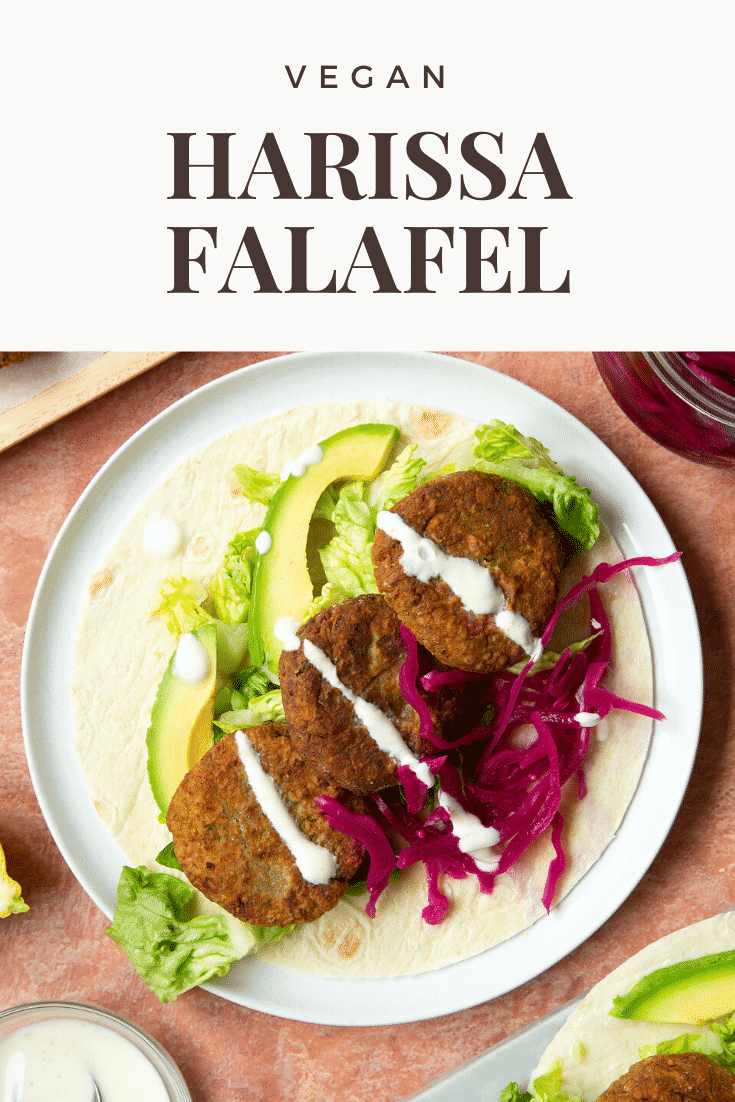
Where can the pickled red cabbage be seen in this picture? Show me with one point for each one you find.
(515, 788)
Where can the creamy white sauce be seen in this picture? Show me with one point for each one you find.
(471, 582)
(163, 537)
(285, 631)
(191, 662)
(378, 726)
(315, 863)
(587, 719)
(52, 1062)
(473, 837)
(263, 542)
(299, 466)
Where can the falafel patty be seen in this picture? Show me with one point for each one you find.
(228, 848)
(493, 522)
(678, 1077)
(362, 637)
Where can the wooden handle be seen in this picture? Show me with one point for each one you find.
(105, 374)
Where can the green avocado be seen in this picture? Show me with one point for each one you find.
(281, 582)
(181, 723)
(691, 992)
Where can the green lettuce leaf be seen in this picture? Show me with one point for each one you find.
(182, 604)
(512, 1093)
(549, 658)
(501, 449)
(242, 687)
(324, 508)
(257, 486)
(167, 857)
(231, 588)
(330, 595)
(396, 481)
(265, 935)
(170, 951)
(346, 558)
(267, 708)
(718, 1042)
(548, 1087)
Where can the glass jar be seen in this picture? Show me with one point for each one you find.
(683, 400)
(67, 1042)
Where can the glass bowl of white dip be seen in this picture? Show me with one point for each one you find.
(55, 1050)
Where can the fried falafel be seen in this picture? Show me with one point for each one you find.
(361, 636)
(490, 521)
(227, 847)
(677, 1077)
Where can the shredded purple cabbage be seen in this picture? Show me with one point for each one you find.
(716, 368)
(511, 784)
(367, 831)
(704, 431)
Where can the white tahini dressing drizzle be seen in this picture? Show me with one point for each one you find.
(378, 726)
(315, 863)
(299, 466)
(163, 537)
(54, 1060)
(473, 837)
(587, 719)
(191, 661)
(285, 631)
(263, 542)
(472, 583)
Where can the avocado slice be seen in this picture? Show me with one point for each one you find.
(281, 582)
(691, 992)
(181, 723)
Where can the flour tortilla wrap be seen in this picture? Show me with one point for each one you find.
(610, 1045)
(122, 651)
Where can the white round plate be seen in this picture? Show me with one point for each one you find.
(462, 388)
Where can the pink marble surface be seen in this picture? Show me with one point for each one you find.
(59, 949)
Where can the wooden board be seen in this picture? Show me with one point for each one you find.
(112, 369)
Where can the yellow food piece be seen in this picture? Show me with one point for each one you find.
(10, 898)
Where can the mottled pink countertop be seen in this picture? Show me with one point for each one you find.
(59, 949)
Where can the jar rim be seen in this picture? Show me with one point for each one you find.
(675, 372)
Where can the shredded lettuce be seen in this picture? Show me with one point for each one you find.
(501, 449)
(546, 1088)
(267, 708)
(170, 951)
(353, 510)
(185, 603)
(324, 508)
(241, 688)
(346, 558)
(550, 658)
(331, 594)
(258, 486)
(718, 1042)
(231, 588)
(397, 481)
(266, 934)
(512, 1093)
(167, 857)
(182, 604)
